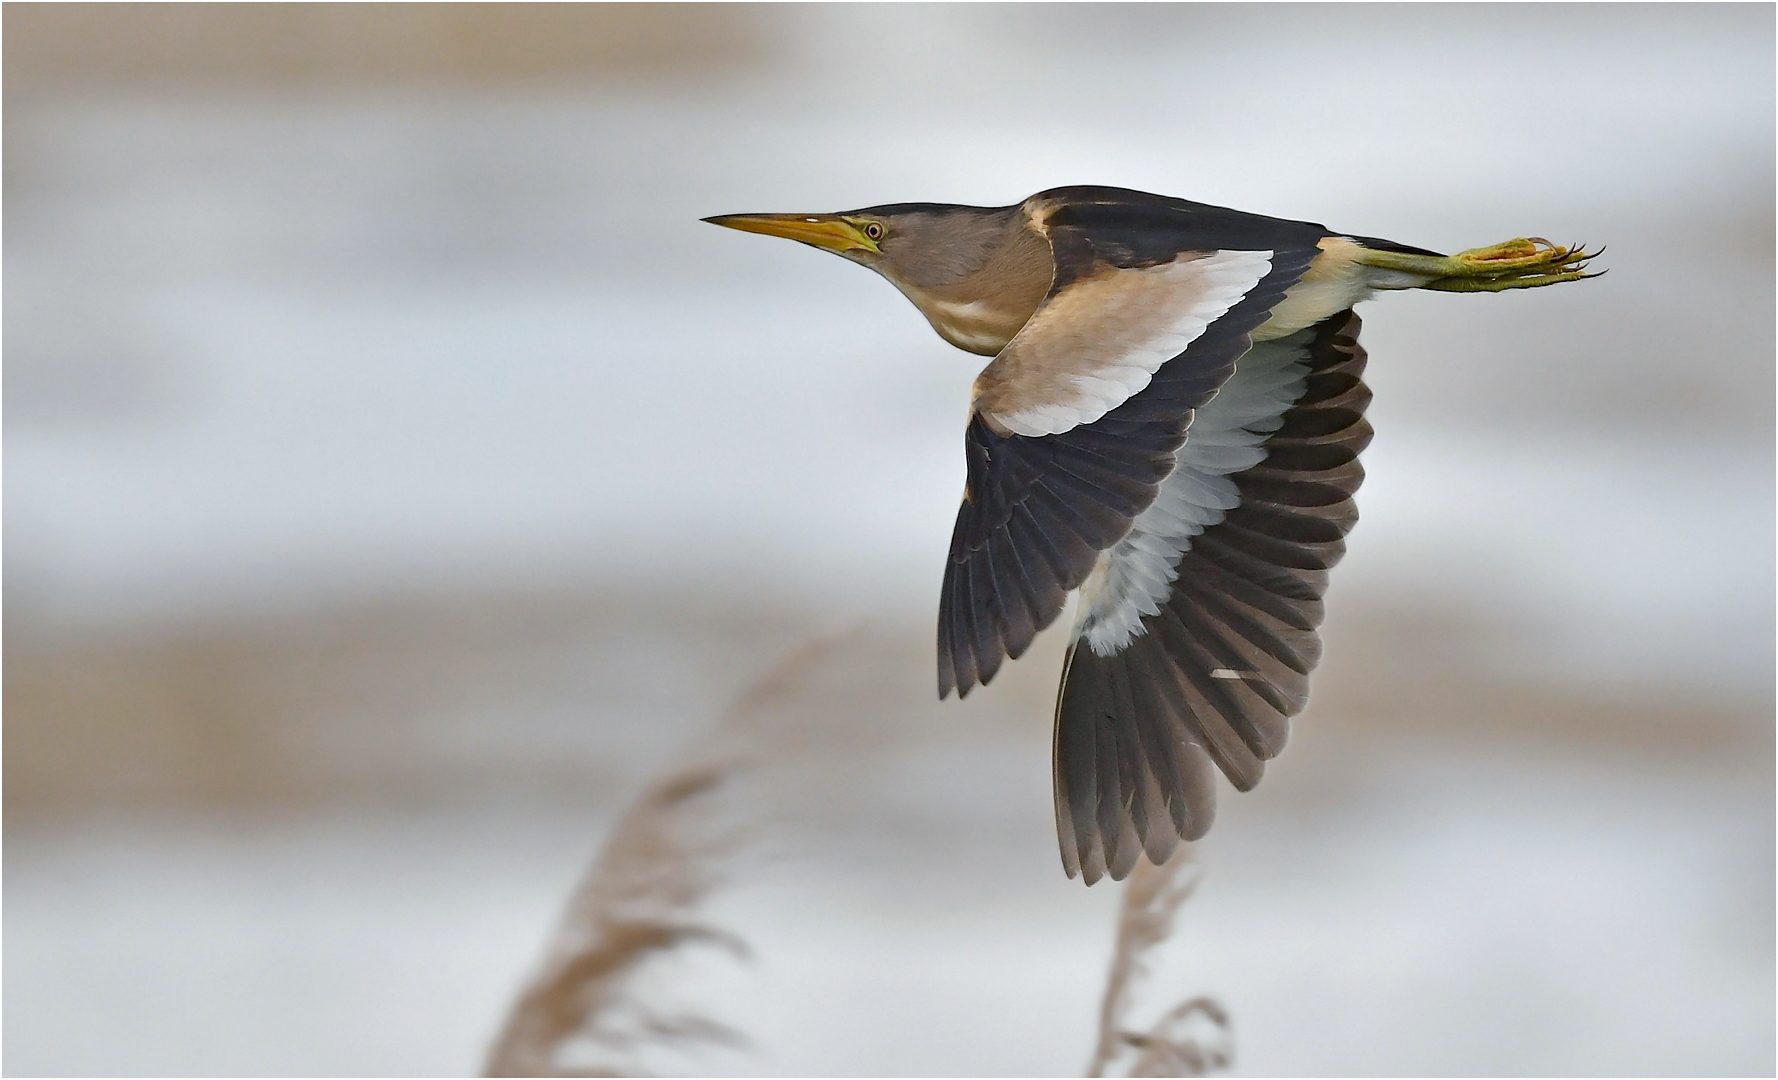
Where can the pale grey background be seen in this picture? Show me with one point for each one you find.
(397, 471)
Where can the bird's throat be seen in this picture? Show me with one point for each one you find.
(978, 326)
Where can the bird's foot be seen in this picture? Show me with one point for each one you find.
(1514, 264)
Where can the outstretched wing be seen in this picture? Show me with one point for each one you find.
(1076, 422)
(1197, 631)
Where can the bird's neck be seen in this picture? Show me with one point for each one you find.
(980, 311)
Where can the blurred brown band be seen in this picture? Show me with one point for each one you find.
(52, 46)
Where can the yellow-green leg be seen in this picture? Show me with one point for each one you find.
(1515, 264)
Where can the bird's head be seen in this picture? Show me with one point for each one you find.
(922, 245)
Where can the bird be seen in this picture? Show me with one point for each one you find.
(1171, 424)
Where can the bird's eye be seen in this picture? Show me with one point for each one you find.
(873, 230)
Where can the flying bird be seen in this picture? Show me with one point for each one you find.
(1171, 424)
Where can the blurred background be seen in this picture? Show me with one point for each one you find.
(397, 473)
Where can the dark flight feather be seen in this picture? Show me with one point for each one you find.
(1216, 675)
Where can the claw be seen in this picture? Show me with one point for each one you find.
(1523, 254)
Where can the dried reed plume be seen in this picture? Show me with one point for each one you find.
(582, 1014)
(638, 903)
(1190, 1039)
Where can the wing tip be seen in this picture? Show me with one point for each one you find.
(1115, 705)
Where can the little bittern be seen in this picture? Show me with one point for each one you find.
(1171, 424)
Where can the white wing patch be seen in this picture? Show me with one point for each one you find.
(1097, 343)
(1227, 435)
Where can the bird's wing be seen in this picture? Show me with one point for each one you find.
(1197, 632)
(1076, 421)
(1099, 340)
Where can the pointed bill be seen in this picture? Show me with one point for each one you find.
(830, 232)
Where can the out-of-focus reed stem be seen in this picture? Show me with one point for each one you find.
(1192, 1038)
(638, 903)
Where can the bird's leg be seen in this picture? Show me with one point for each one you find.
(1515, 264)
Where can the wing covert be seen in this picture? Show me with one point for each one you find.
(1097, 342)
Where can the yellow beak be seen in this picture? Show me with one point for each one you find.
(828, 231)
